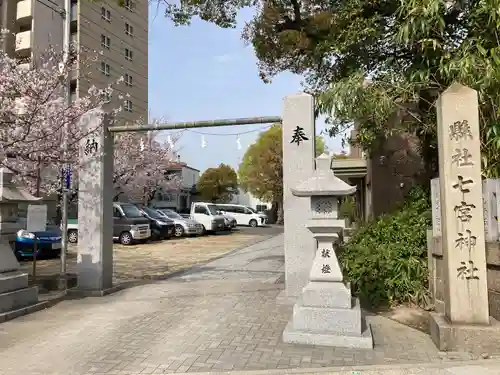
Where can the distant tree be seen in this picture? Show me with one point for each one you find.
(218, 184)
(261, 172)
(320, 146)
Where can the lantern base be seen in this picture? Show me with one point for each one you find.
(329, 326)
(293, 336)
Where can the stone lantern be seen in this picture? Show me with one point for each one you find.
(326, 313)
(16, 297)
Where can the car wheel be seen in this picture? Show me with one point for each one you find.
(253, 223)
(179, 231)
(19, 256)
(73, 236)
(203, 231)
(126, 238)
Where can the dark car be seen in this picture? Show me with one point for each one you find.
(129, 224)
(161, 227)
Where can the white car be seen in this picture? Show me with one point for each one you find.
(208, 215)
(243, 215)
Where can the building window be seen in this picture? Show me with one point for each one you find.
(23, 28)
(129, 5)
(72, 90)
(128, 79)
(105, 69)
(128, 106)
(129, 29)
(129, 54)
(105, 14)
(105, 41)
(105, 96)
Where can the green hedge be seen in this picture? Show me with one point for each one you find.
(386, 260)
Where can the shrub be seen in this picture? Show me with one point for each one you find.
(386, 260)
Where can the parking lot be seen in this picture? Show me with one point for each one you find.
(158, 260)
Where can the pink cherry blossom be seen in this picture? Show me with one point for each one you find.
(33, 114)
(140, 166)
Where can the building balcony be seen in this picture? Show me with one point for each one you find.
(24, 10)
(23, 41)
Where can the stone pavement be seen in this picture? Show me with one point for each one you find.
(218, 317)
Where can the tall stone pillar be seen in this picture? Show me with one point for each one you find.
(466, 324)
(298, 165)
(95, 206)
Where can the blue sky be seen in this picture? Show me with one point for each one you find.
(201, 72)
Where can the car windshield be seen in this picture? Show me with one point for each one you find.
(152, 213)
(172, 214)
(213, 209)
(131, 211)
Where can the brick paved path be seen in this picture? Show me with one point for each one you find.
(221, 316)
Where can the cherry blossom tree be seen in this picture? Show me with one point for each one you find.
(141, 163)
(34, 114)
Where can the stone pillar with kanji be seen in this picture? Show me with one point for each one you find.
(95, 207)
(326, 313)
(465, 324)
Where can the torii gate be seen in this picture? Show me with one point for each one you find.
(95, 193)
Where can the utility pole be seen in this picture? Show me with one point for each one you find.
(4, 25)
(66, 167)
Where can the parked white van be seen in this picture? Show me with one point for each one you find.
(243, 214)
(208, 215)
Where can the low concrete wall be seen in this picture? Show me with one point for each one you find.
(437, 278)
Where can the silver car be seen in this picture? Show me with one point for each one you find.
(183, 226)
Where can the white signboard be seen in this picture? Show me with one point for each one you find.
(436, 207)
(37, 218)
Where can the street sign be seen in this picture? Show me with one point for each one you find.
(37, 218)
(67, 176)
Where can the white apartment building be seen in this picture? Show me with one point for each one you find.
(181, 198)
(247, 199)
(116, 35)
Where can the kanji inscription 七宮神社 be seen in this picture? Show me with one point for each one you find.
(464, 211)
(461, 185)
(467, 270)
(465, 241)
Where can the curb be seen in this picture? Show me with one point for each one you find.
(405, 368)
